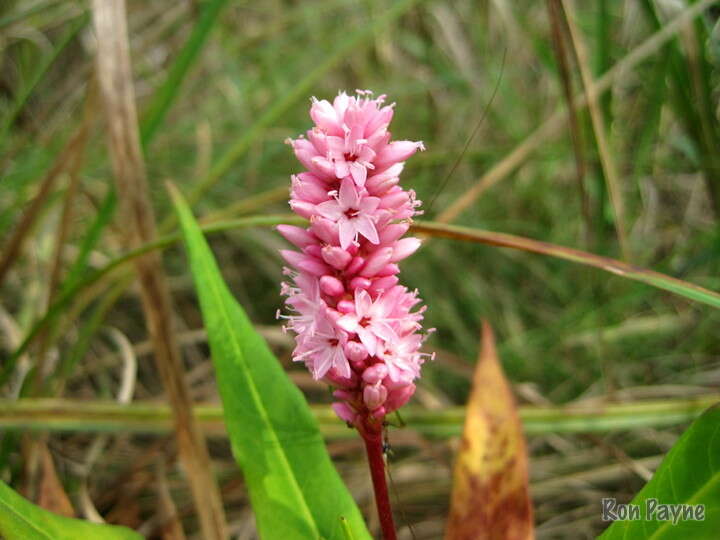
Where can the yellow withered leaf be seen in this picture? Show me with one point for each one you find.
(490, 497)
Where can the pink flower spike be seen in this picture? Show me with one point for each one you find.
(355, 328)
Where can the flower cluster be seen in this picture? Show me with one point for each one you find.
(355, 325)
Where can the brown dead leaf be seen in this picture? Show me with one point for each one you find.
(490, 498)
(52, 495)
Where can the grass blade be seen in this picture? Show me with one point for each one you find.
(649, 277)
(83, 416)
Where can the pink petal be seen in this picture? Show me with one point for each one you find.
(363, 303)
(340, 104)
(293, 258)
(340, 363)
(366, 227)
(384, 331)
(331, 286)
(347, 232)
(330, 210)
(355, 265)
(374, 396)
(380, 120)
(313, 266)
(344, 412)
(368, 339)
(376, 261)
(348, 322)
(405, 248)
(341, 168)
(325, 229)
(369, 204)
(322, 363)
(395, 152)
(324, 115)
(296, 235)
(359, 173)
(336, 146)
(336, 257)
(348, 195)
(302, 208)
(318, 140)
(393, 231)
(322, 167)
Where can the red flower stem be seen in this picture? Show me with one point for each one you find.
(374, 447)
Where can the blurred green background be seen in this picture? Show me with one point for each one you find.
(219, 87)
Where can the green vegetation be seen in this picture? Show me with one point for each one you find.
(219, 86)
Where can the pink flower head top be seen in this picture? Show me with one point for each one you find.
(355, 325)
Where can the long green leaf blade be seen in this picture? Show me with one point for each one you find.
(22, 520)
(690, 475)
(294, 488)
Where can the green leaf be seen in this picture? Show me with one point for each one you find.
(689, 474)
(294, 488)
(22, 520)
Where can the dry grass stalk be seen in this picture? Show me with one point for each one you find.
(607, 160)
(555, 123)
(115, 77)
(554, 8)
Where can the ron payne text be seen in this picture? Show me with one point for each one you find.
(651, 510)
